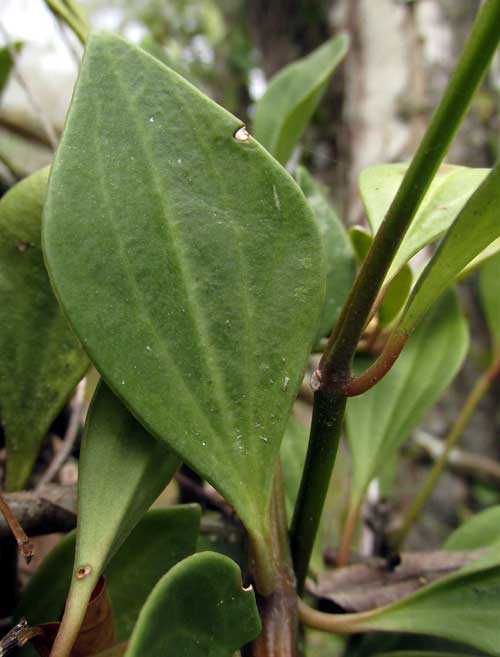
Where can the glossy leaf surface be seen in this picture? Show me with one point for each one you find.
(473, 230)
(199, 260)
(379, 421)
(489, 288)
(292, 96)
(122, 470)
(161, 539)
(481, 530)
(198, 609)
(446, 196)
(339, 257)
(38, 350)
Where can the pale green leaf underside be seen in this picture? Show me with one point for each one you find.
(489, 288)
(474, 229)
(40, 359)
(198, 261)
(161, 539)
(339, 257)
(293, 95)
(379, 421)
(447, 195)
(122, 470)
(198, 609)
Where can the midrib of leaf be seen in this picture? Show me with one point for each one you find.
(199, 321)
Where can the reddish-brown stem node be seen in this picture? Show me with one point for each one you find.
(22, 540)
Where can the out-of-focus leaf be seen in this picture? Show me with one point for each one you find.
(122, 471)
(379, 421)
(283, 112)
(476, 227)
(340, 267)
(418, 653)
(161, 539)
(199, 261)
(396, 295)
(489, 288)
(6, 64)
(40, 359)
(198, 609)
(482, 530)
(447, 195)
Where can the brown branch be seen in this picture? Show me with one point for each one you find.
(24, 543)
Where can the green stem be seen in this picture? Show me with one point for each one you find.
(477, 393)
(72, 19)
(470, 70)
(349, 532)
(328, 412)
(334, 371)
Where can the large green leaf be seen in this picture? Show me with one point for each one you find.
(198, 609)
(340, 266)
(379, 421)
(447, 195)
(40, 359)
(489, 288)
(477, 226)
(482, 530)
(283, 112)
(122, 471)
(161, 539)
(198, 262)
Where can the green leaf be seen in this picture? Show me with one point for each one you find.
(122, 470)
(419, 653)
(340, 266)
(40, 359)
(361, 241)
(463, 607)
(161, 539)
(489, 289)
(198, 609)
(446, 196)
(396, 295)
(291, 98)
(7, 64)
(480, 531)
(379, 421)
(473, 230)
(200, 264)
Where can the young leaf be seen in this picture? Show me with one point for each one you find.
(447, 195)
(291, 98)
(482, 530)
(361, 241)
(122, 471)
(38, 350)
(340, 267)
(473, 230)
(199, 262)
(395, 295)
(489, 288)
(379, 421)
(198, 608)
(161, 539)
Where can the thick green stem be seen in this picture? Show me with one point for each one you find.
(334, 372)
(477, 393)
(278, 611)
(328, 412)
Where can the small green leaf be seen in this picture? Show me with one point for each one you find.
(199, 262)
(198, 609)
(473, 230)
(340, 266)
(361, 241)
(291, 98)
(379, 421)
(395, 295)
(480, 531)
(161, 539)
(446, 196)
(122, 471)
(6, 64)
(489, 288)
(463, 607)
(38, 350)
